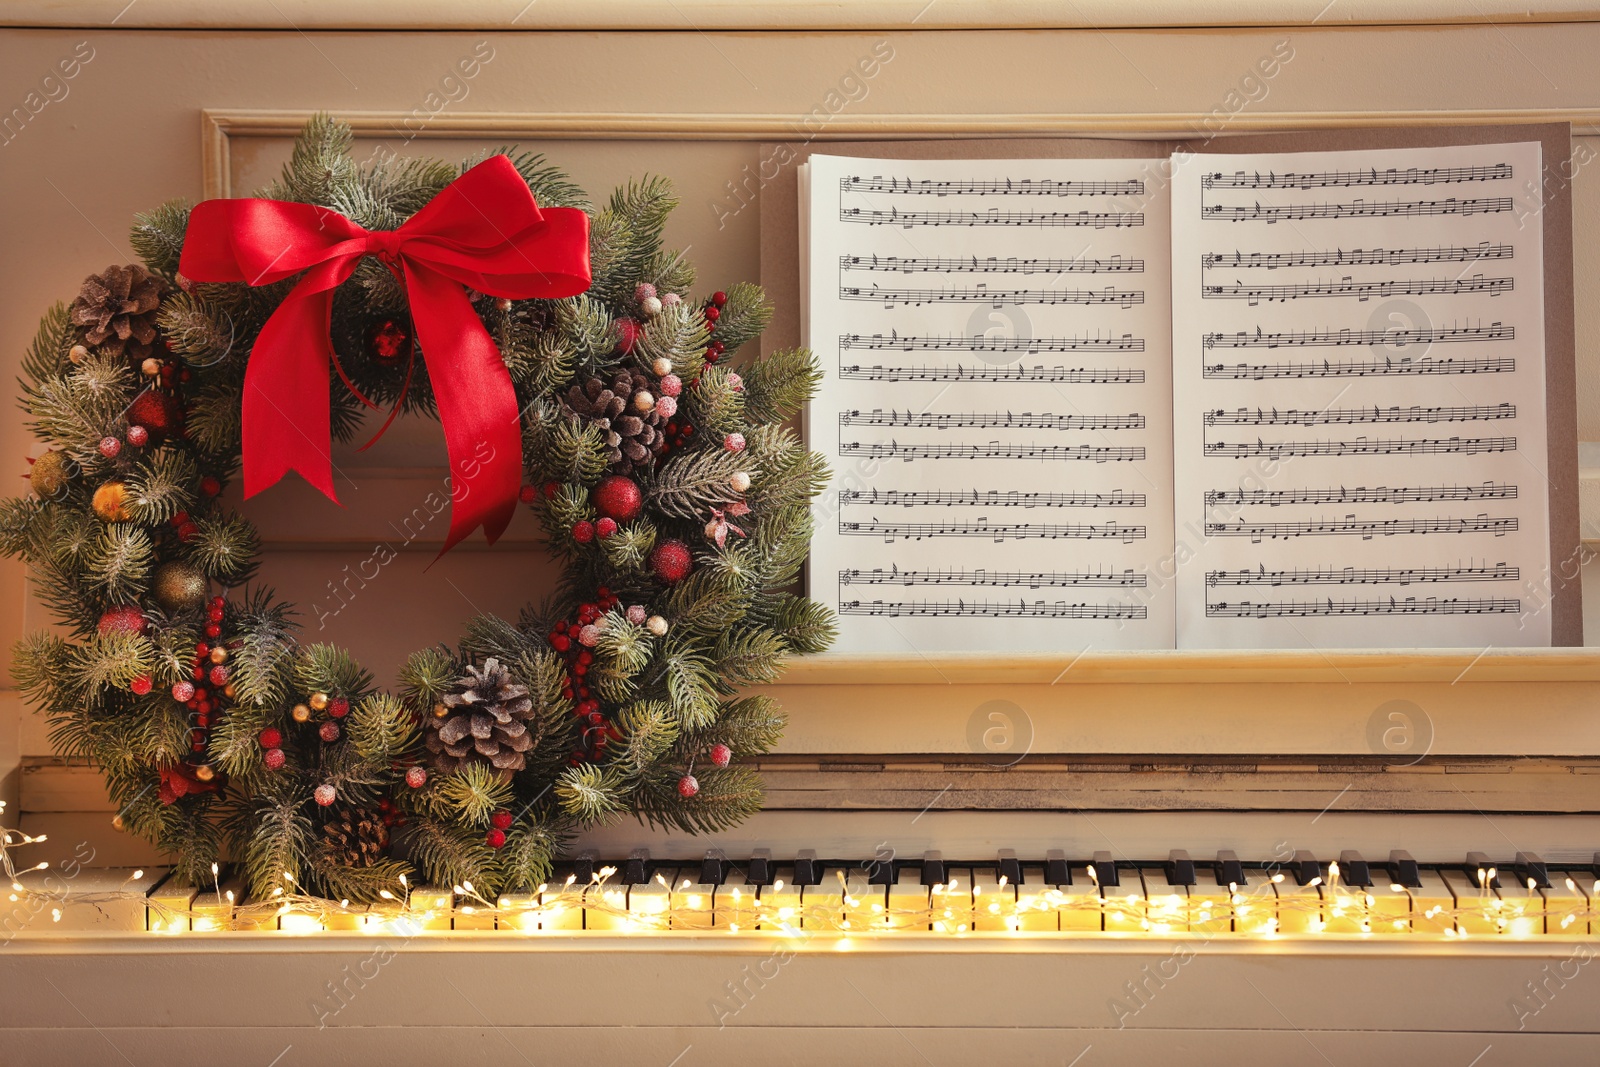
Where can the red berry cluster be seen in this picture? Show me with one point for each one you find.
(210, 673)
(596, 731)
(499, 823)
(391, 815)
(185, 527)
(713, 312)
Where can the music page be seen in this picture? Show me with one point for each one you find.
(1359, 427)
(996, 405)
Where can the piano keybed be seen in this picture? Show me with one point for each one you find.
(803, 896)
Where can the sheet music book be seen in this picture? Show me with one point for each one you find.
(1260, 400)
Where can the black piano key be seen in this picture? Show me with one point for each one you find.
(1306, 868)
(1057, 871)
(714, 868)
(584, 864)
(1482, 870)
(1403, 870)
(1105, 869)
(1010, 867)
(1353, 870)
(1531, 868)
(1180, 868)
(636, 870)
(933, 870)
(1229, 870)
(807, 869)
(759, 871)
(880, 872)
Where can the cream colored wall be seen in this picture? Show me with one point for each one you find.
(124, 133)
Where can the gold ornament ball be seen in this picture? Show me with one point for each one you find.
(151, 366)
(49, 474)
(662, 366)
(77, 353)
(643, 402)
(118, 823)
(301, 713)
(111, 502)
(656, 625)
(219, 655)
(204, 772)
(179, 586)
(227, 690)
(319, 700)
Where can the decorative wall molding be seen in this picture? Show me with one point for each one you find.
(776, 15)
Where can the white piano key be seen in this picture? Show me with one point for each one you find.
(994, 903)
(734, 903)
(1479, 912)
(1167, 908)
(908, 902)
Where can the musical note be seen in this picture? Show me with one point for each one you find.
(1018, 609)
(1358, 416)
(1350, 178)
(1100, 579)
(1098, 220)
(992, 450)
(1397, 338)
(1363, 528)
(1499, 572)
(1399, 495)
(988, 265)
(1360, 290)
(990, 420)
(994, 498)
(966, 187)
(982, 343)
(1363, 368)
(1049, 531)
(1391, 606)
(1462, 446)
(1357, 257)
(1014, 373)
(998, 297)
(1271, 213)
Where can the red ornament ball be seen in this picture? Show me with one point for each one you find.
(605, 528)
(416, 777)
(271, 737)
(501, 820)
(329, 731)
(495, 839)
(124, 620)
(274, 759)
(183, 692)
(618, 498)
(141, 685)
(338, 707)
(219, 676)
(109, 447)
(670, 561)
(628, 332)
(719, 298)
(389, 341)
(157, 412)
(210, 486)
(528, 494)
(325, 795)
(138, 436)
(721, 755)
(687, 786)
(583, 531)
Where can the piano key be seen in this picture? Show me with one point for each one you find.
(1431, 901)
(1521, 908)
(431, 906)
(807, 870)
(168, 905)
(1058, 872)
(518, 911)
(933, 872)
(1474, 897)
(881, 871)
(605, 901)
(584, 866)
(1530, 866)
(1079, 901)
(714, 867)
(1037, 897)
(863, 902)
(994, 900)
(1210, 904)
(1403, 869)
(1481, 870)
(822, 905)
(908, 901)
(561, 901)
(649, 901)
(1180, 868)
(780, 901)
(1346, 909)
(1123, 902)
(1307, 869)
(636, 871)
(1566, 901)
(692, 901)
(1300, 908)
(1230, 871)
(1010, 868)
(1105, 870)
(470, 914)
(1389, 907)
(1166, 903)
(214, 910)
(758, 871)
(1354, 870)
(734, 902)
(951, 901)
(1255, 907)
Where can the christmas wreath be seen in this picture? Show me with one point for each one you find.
(571, 374)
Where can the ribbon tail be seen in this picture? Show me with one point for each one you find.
(477, 406)
(285, 418)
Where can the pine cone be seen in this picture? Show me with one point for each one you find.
(116, 310)
(484, 721)
(354, 837)
(635, 438)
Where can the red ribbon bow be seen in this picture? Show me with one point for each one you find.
(483, 230)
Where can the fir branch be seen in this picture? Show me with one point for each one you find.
(450, 854)
(743, 317)
(527, 859)
(778, 384)
(162, 486)
(690, 483)
(589, 793)
(46, 357)
(381, 730)
(195, 328)
(428, 675)
(469, 795)
(261, 663)
(804, 625)
(118, 564)
(157, 236)
(224, 546)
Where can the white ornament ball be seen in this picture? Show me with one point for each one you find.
(326, 795)
(636, 614)
(650, 305)
(739, 482)
(734, 442)
(671, 300)
(643, 401)
(667, 406)
(662, 366)
(656, 625)
(589, 635)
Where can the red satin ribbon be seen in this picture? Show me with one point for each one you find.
(483, 230)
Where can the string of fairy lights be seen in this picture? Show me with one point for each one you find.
(846, 910)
